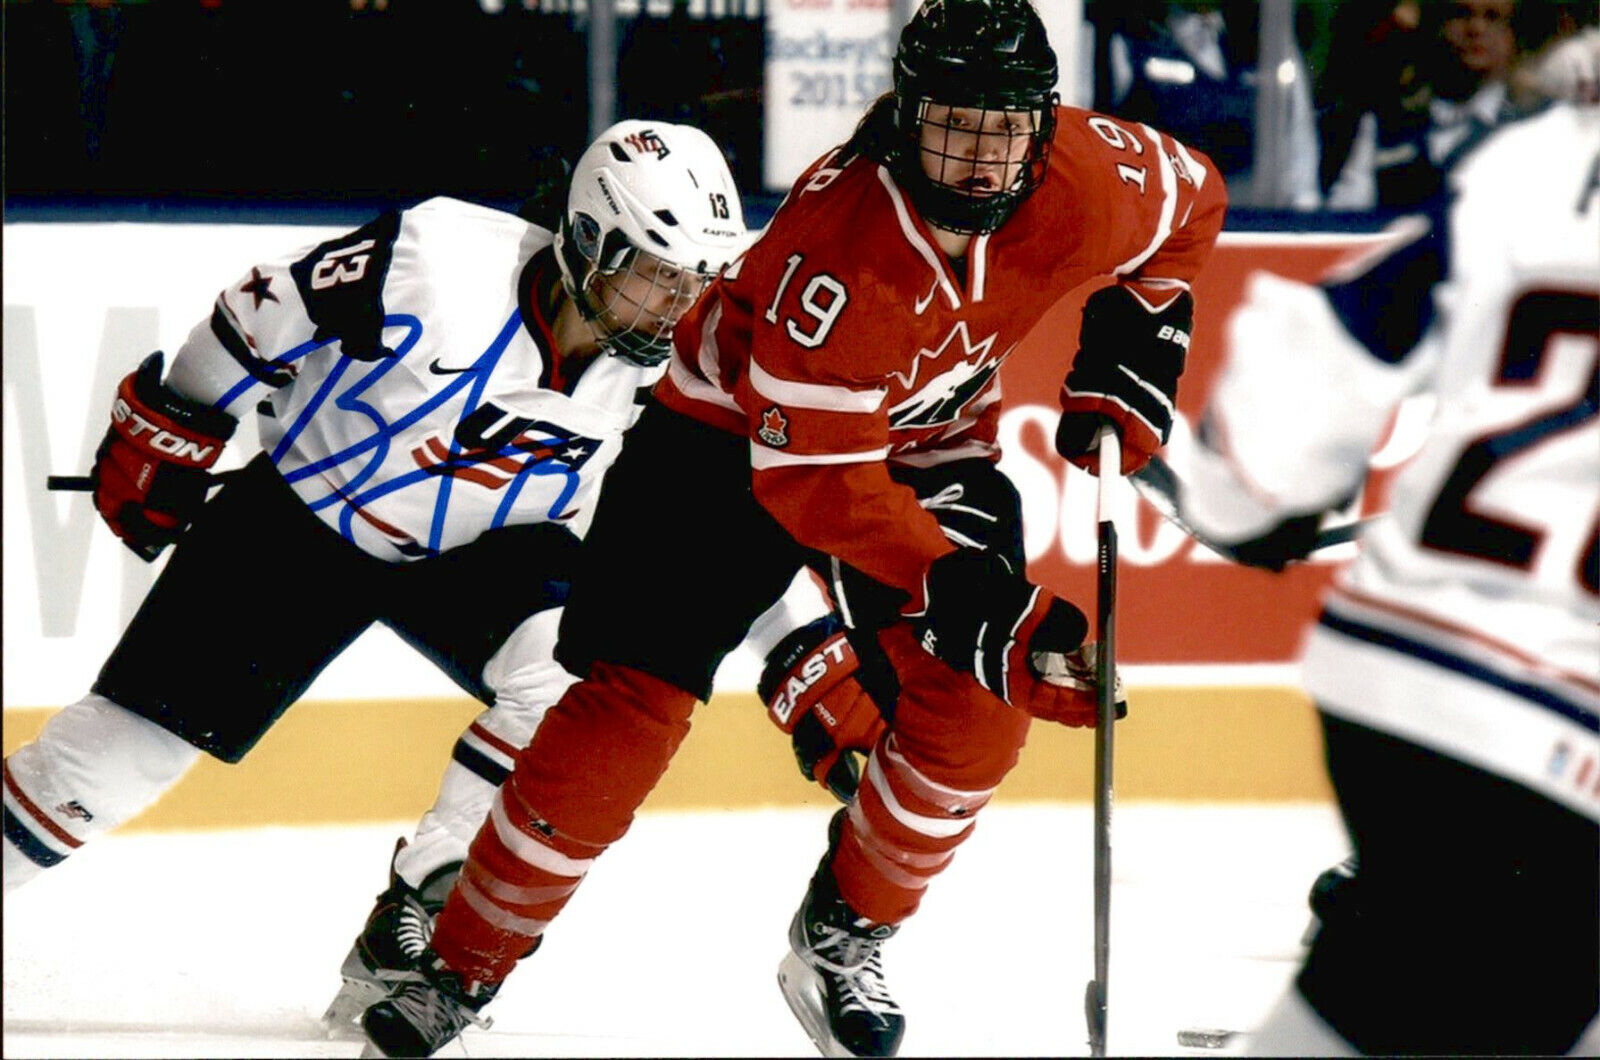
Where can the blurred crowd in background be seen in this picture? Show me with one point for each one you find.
(400, 99)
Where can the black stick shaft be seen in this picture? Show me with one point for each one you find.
(85, 483)
(1096, 998)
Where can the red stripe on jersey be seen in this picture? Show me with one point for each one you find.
(39, 816)
(505, 747)
(1422, 618)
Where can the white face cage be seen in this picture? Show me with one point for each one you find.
(637, 304)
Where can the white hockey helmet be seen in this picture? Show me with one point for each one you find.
(654, 201)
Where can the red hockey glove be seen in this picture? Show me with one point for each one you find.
(985, 620)
(1126, 370)
(150, 472)
(812, 693)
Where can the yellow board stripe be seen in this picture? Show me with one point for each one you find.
(380, 760)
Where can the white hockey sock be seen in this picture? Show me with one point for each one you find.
(526, 680)
(446, 830)
(93, 767)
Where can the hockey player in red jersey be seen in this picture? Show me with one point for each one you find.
(833, 401)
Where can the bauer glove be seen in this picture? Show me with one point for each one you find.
(986, 620)
(1126, 371)
(151, 470)
(812, 691)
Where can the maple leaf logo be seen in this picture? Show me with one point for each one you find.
(774, 428)
(968, 350)
(952, 383)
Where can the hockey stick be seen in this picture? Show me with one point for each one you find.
(71, 483)
(1159, 484)
(85, 483)
(1095, 996)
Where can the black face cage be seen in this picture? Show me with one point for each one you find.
(955, 199)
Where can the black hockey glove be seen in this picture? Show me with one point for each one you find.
(1126, 371)
(985, 620)
(151, 470)
(812, 691)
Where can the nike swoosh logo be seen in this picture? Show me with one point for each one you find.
(436, 370)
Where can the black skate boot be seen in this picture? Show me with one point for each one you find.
(1332, 894)
(424, 1014)
(832, 977)
(389, 946)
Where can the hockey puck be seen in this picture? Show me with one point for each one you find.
(1205, 1039)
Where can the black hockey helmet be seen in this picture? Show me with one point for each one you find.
(991, 55)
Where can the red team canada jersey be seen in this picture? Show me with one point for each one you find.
(845, 340)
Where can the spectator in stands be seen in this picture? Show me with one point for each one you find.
(1189, 67)
(1442, 97)
(1371, 60)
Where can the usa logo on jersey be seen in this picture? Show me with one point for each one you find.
(491, 447)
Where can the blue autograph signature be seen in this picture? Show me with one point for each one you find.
(370, 452)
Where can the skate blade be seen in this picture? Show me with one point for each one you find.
(803, 994)
(343, 1018)
(372, 1052)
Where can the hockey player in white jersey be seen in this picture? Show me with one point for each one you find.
(439, 393)
(1454, 665)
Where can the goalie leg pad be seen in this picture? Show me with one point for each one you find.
(599, 752)
(93, 767)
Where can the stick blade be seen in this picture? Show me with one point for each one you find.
(1094, 1011)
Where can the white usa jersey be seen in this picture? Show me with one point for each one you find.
(406, 381)
(1470, 622)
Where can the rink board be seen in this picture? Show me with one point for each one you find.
(369, 760)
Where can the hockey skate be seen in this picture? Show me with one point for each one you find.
(1334, 890)
(423, 1014)
(832, 976)
(389, 946)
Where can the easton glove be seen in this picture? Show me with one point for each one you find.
(811, 688)
(985, 620)
(150, 472)
(1126, 370)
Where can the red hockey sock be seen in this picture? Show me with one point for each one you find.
(597, 754)
(924, 784)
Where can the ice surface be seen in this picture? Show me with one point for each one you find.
(228, 943)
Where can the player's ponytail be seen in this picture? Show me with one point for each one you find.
(874, 136)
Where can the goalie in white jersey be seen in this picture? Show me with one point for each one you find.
(1455, 663)
(441, 372)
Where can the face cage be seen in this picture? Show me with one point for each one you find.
(959, 204)
(626, 325)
